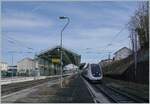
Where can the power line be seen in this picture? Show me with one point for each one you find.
(21, 52)
(112, 40)
(122, 29)
(13, 41)
(109, 44)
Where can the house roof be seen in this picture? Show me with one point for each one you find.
(27, 58)
(122, 49)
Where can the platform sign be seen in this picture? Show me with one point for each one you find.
(56, 60)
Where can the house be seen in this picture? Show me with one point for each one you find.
(26, 66)
(3, 69)
(122, 53)
(3, 66)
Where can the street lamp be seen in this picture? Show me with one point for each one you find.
(68, 20)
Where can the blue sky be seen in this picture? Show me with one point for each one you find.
(93, 25)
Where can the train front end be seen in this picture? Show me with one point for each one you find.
(95, 72)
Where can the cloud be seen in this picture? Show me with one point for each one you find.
(90, 11)
(95, 39)
(92, 25)
(18, 20)
(33, 40)
(90, 38)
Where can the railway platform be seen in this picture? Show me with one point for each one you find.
(74, 90)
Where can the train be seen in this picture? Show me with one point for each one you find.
(92, 72)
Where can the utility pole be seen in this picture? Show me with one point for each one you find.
(135, 53)
(134, 48)
(12, 67)
(109, 55)
(12, 60)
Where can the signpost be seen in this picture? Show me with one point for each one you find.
(56, 60)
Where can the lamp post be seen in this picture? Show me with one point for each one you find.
(61, 66)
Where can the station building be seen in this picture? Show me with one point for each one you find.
(48, 61)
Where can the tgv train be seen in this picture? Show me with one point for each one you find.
(92, 72)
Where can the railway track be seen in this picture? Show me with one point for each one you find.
(10, 88)
(14, 87)
(117, 96)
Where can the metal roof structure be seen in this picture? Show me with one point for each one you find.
(68, 56)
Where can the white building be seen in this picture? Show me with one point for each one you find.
(122, 53)
(3, 66)
(26, 65)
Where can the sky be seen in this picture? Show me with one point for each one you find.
(28, 27)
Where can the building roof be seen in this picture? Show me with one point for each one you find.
(122, 49)
(57, 47)
(3, 62)
(27, 58)
(69, 57)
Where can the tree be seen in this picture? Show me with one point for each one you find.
(139, 26)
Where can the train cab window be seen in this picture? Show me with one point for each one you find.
(95, 69)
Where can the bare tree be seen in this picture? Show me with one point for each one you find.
(139, 26)
(139, 30)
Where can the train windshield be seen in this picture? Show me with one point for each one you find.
(95, 69)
